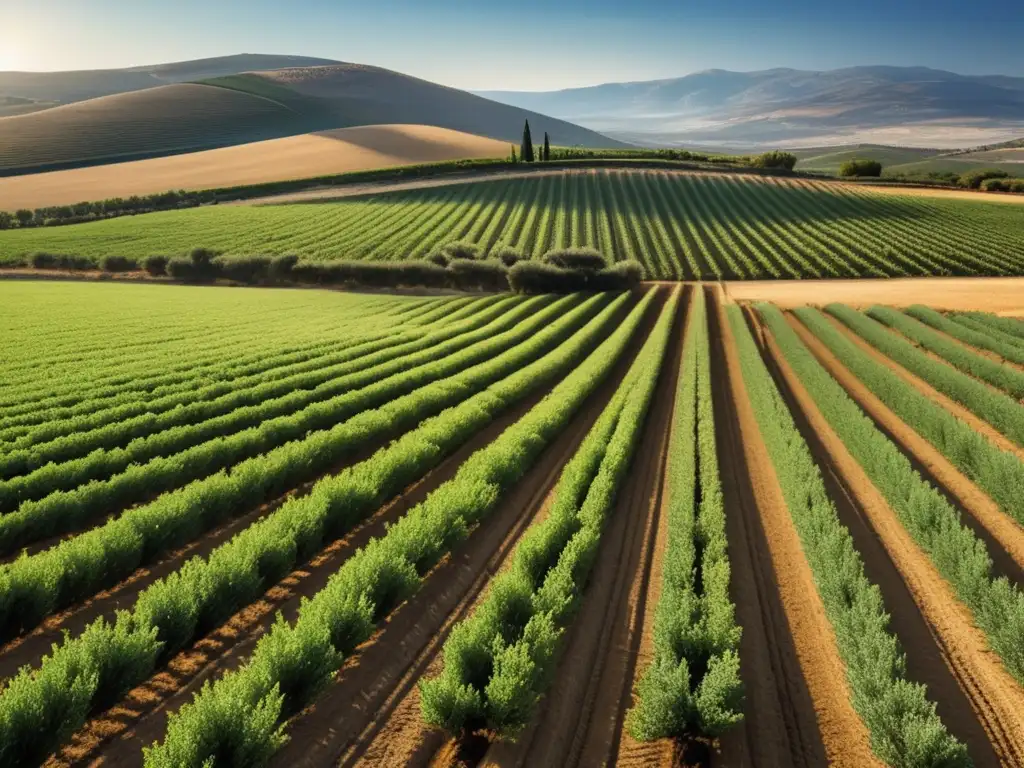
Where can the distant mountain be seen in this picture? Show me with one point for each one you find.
(893, 105)
(192, 106)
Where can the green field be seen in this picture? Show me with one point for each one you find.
(678, 226)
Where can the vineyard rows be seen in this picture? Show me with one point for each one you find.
(679, 226)
(555, 530)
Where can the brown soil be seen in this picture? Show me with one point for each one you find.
(374, 714)
(801, 713)
(966, 416)
(141, 717)
(995, 698)
(1005, 537)
(999, 295)
(580, 721)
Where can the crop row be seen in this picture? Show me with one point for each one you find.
(999, 473)
(692, 685)
(237, 718)
(90, 671)
(177, 425)
(679, 226)
(1009, 330)
(1001, 411)
(902, 723)
(499, 661)
(1013, 350)
(935, 525)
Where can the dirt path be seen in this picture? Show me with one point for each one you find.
(140, 718)
(1003, 535)
(580, 721)
(1000, 295)
(371, 714)
(995, 698)
(804, 713)
(966, 416)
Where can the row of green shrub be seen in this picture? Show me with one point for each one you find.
(31, 588)
(960, 557)
(902, 724)
(1009, 330)
(155, 376)
(56, 504)
(126, 414)
(41, 708)
(456, 266)
(999, 473)
(998, 409)
(692, 686)
(499, 660)
(1012, 349)
(236, 719)
(266, 415)
(911, 325)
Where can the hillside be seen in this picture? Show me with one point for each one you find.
(317, 154)
(170, 118)
(881, 105)
(240, 108)
(69, 87)
(828, 159)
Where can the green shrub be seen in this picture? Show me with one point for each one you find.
(507, 255)
(118, 264)
(860, 167)
(489, 275)
(156, 266)
(460, 250)
(974, 179)
(774, 159)
(576, 258)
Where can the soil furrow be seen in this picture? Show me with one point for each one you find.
(801, 713)
(995, 698)
(1003, 536)
(580, 721)
(371, 714)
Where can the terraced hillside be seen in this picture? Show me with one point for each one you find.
(634, 530)
(678, 225)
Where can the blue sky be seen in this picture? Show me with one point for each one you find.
(529, 45)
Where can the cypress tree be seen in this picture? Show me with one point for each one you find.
(513, 157)
(526, 150)
(547, 147)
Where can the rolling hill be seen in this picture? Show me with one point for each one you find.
(788, 107)
(244, 107)
(315, 154)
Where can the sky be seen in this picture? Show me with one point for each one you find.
(522, 44)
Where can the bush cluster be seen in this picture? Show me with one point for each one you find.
(860, 167)
(1002, 185)
(774, 159)
(498, 662)
(902, 723)
(237, 716)
(40, 708)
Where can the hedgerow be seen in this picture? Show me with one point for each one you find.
(1008, 351)
(293, 662)
(692, 685)
(903, 726)
(498, 662)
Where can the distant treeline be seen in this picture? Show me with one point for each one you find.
(59, 215)
(454, 266)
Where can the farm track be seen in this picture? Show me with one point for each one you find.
(371, 714)
(1002, 535)
(580, 721)
(798, 706)
(118, 735)
(993, 731)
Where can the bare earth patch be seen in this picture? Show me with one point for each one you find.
(294, 157)
(1000, 295)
